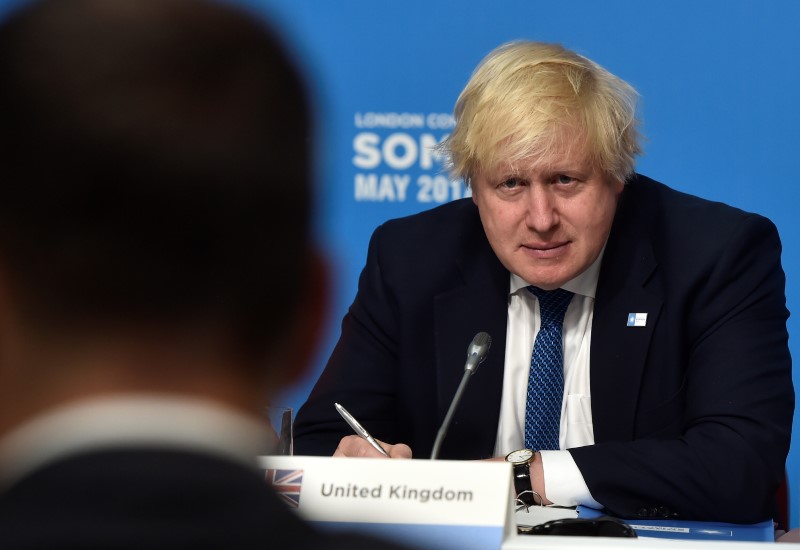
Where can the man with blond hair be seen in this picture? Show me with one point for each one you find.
(640, 359)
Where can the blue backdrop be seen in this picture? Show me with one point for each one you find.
(719, 81)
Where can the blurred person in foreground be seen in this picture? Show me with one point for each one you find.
(664, 313)
(157, 276)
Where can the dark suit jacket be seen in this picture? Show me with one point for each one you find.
(692, 413)
(154, 498)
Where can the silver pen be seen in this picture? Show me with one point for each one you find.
(359, 429)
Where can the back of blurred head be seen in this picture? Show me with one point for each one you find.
(154, 193)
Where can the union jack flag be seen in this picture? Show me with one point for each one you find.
(287, 484)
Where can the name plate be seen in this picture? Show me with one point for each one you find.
(440, 504)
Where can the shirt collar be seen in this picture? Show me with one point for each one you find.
(141, 420)
(584, 284)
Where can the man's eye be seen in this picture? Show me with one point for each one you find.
(564, 179)
(511, 183)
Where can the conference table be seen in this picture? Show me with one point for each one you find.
(527, 542)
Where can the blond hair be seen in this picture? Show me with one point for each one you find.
(525, 97)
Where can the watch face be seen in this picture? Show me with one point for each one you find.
(523, 455)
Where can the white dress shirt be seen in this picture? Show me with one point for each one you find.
(564, 482)
(134, 420)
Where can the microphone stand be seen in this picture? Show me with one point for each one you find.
(449, 417)
(476, 353)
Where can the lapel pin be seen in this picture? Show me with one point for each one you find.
(637, 319)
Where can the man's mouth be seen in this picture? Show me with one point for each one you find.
(546, 250)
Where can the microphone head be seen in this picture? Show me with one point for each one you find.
(477, 351)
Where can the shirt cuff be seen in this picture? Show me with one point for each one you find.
(563, 482)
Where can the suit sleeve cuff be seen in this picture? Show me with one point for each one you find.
(563, 482)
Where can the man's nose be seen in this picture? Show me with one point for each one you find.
(542, 212)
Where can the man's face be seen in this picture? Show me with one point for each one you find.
(547, 219)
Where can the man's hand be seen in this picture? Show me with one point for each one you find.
(353, 445)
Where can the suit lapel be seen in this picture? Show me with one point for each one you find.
(478, 302)
(619, 351)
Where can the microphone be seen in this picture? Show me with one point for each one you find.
(476, 353)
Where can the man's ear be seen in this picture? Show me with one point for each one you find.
(305, 333)
(21, 388)
(9, 328)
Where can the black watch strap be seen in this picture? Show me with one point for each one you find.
(522, 483)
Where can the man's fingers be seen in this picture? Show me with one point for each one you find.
(355, 446)
(401, 450)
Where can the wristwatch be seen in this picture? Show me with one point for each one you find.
(521, 460)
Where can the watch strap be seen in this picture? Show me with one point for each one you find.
(522, 483)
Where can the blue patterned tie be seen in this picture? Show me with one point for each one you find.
(546, 379)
